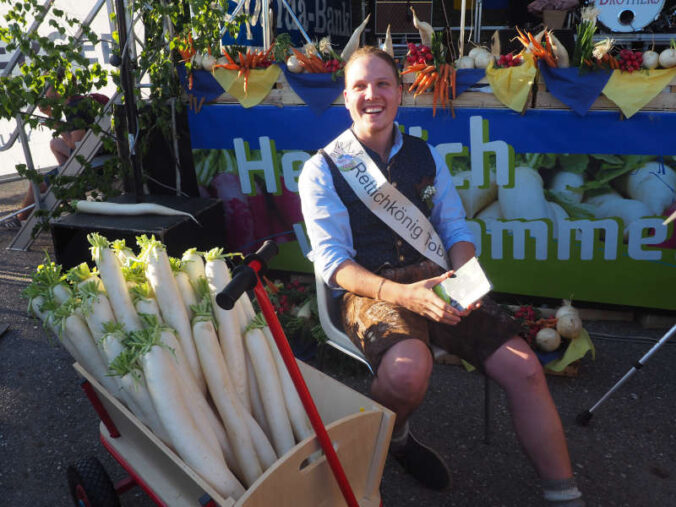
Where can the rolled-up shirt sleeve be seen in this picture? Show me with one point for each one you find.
(326, 218)
(448, 214)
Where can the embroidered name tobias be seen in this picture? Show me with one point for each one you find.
(356, 170)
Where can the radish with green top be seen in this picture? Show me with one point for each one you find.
(184, 286)
(161, 278)
(229, 330)
(193, 264)
(222, 392)
(123, 363)
(111, 274)
(274, 406)
(82, 274)
(75, 330)
(124, 253)
(164, 385)
(95, 308)
(667, 57)
(145, 302)
(49, 275)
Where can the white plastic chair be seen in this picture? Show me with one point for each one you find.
(329, 317)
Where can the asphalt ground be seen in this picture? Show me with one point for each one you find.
(625, 457)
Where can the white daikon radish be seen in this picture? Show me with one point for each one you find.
(145, 302)
(223, 394)
(387, 45)
(560, 52)
(161, 279)
(464, 62)
(564, 183)
(75, 330)
(353, 43)
(50, 277)
(111, 274)
(490, 212)
(526, 199)
(124, 254)
(193, 264)
(254, 396)
(270, 390)
(187, 292)
(425, 30)
(95, 308)
(474, 199)
(163, 382)
(654, 184)
(297, 415)
(482, 59)
(556, 214)
(204, 414)
(117, 209)
(547, 339)
(229, 333)
(612, 205)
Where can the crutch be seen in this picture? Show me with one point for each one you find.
(583, 418)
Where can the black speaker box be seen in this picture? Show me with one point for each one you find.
(177, 232)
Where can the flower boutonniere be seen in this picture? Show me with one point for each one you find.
(427, 195)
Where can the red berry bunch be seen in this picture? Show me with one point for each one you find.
(509, 60)
(630, 60)
(418, 53)
(333, 65)
(527, 316)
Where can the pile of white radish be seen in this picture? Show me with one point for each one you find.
(208, 382)
(568, 326)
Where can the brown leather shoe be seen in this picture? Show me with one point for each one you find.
(423, 463)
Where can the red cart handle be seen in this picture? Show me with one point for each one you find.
(246, 277)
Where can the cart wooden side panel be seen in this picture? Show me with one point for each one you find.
(359, 428)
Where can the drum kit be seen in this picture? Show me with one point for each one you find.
(638, 19)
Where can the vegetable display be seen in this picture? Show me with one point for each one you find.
(212, 387)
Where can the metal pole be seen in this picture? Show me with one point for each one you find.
(127, 82)
(23, 138)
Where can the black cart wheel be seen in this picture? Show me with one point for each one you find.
(90, 485)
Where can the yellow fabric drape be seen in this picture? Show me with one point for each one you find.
(577, 348)
(512, 85)
(261, 82)
(632, 91)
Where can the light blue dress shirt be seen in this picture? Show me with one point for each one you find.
(328, 222)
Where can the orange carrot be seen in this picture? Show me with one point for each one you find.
(453, 74)
(414, 68)
(426, 83)
(228, 66)
(435, 96)
(419, 77)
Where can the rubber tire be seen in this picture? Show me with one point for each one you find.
(89, 484)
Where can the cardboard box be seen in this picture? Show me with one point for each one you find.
(359, 428)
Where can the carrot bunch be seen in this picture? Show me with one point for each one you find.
(539, 51)
(310, 62)
(245, 62)
(187, 50)
(440, 80)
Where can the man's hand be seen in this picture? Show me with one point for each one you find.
(421, 299)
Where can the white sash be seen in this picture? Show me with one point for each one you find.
(383, 199)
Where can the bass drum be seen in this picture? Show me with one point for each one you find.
(628, 15)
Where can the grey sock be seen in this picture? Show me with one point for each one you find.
(399, 438)
(562, 493)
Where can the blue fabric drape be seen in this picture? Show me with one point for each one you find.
(577, 90)
(318, 91)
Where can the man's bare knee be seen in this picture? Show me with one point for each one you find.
(405, 371)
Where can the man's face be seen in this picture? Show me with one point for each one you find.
(372, 95)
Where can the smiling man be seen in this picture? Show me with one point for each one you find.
(386, 225)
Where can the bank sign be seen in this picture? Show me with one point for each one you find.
(318, 18)
(561, 206)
